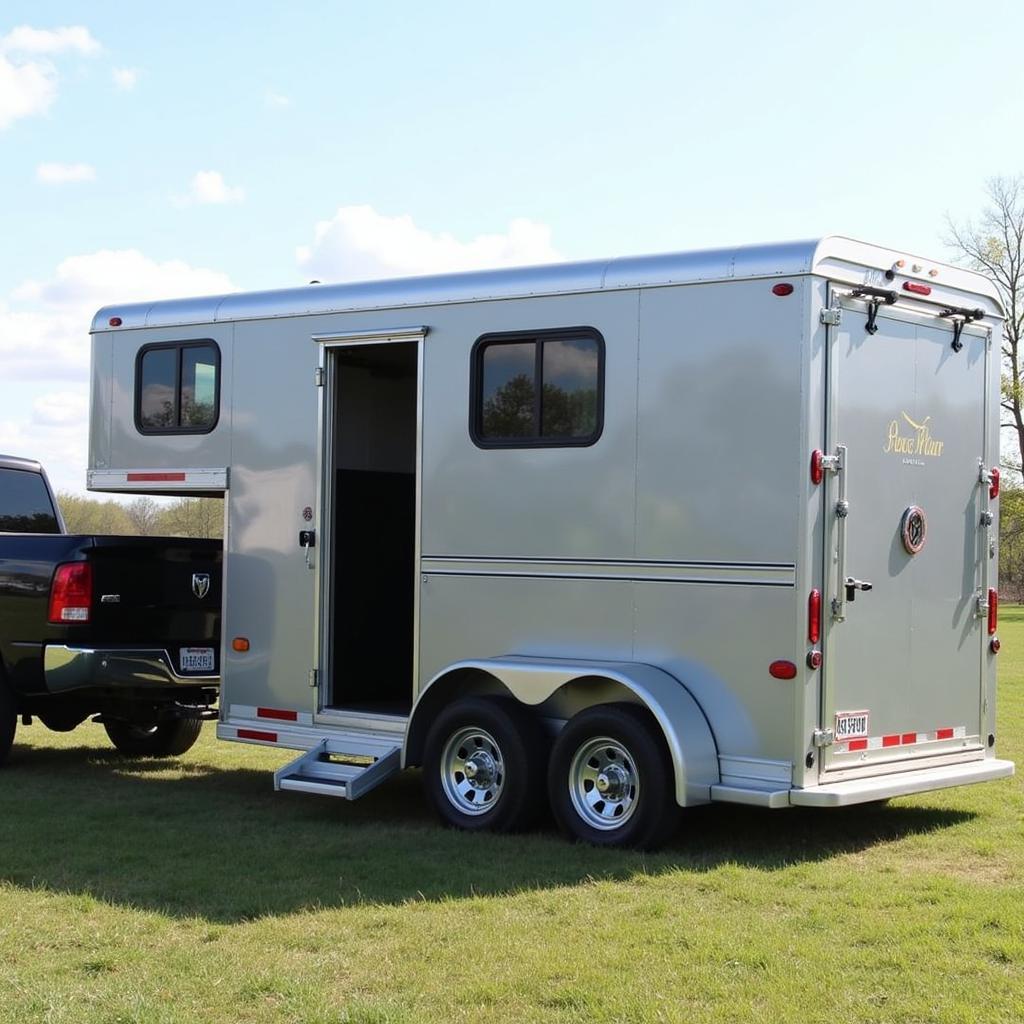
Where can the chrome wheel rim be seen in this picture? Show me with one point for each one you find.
(604, 783)
(472, 770)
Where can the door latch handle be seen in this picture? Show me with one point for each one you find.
(307, 541)
(852, 586)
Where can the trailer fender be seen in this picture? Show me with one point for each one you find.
(566, 687)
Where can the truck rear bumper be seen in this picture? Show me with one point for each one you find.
(80, 668)
(881, 787)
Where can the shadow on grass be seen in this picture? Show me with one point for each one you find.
(219, 844)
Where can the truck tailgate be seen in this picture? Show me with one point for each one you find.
(151, 592)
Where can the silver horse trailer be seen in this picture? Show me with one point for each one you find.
(615, 536)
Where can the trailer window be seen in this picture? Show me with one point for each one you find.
(177, 388)
(539, 389)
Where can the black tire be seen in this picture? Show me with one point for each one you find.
(508, 753)
(168, 739)
(8, 721)
(628, 755)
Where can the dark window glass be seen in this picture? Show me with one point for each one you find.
(509, 394)
(25, 505)
(544, 389)
(198, 386)
(177, 388)
(158, 390)
(570, 377)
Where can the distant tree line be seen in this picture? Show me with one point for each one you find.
(143, 517)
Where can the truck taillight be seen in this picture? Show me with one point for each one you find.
(71, 593)
(993, 487)
(814, 617)
(993, 611)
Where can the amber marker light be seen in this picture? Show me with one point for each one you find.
(240, 644)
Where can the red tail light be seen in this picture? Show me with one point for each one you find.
(814, 617)
(993, 487)
(993, 610)
(917, 289)
(817, 466)
(71, 593)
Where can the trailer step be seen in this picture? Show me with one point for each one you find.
(341, 766)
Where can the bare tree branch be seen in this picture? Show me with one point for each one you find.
(994, 246)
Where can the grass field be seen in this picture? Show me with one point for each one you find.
(189, 891)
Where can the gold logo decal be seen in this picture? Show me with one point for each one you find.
(920, 442)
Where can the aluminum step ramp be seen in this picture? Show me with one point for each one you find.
(346, 766)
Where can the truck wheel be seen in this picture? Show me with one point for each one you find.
(483, 765)
(8, 721)
(610, 780)
(168, 739)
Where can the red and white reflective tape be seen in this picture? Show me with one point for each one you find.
(286, 716)
(165, 479)
(900, 739)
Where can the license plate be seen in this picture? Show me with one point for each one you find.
(196, 659)
(851, 725)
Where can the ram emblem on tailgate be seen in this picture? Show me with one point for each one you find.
(200, 584)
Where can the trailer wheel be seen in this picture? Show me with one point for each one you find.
(8, 721)
(483, 766)
(610, 779)
(168, 739)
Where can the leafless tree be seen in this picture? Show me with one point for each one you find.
(994, 245)
(144, 513)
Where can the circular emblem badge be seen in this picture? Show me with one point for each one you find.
(307, 514)
(913, 529)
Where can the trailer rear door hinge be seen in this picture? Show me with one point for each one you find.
(981, 605)
(314, 677)
(824, 737)
(833, 316)
(318, 377)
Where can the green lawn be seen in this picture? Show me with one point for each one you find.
(189, 891)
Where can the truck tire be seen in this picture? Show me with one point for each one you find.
(483, 766)
(168, 739)
(610, 780)
(8, 721)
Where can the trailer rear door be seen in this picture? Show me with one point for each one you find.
(904, 513)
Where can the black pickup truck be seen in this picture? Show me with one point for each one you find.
(126, 629)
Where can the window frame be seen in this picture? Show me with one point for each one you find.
(180, 347)
(476, 387)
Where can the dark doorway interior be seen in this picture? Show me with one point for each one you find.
(374, 501)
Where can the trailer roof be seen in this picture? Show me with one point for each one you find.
(834, 256)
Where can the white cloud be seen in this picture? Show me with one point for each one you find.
(25, 39)
(276, 101)
(25, 90)
(358, 243)
(28, 79)
(61, 174)
(44, 348)
(125, 78)
(210, 187)
(60, 408)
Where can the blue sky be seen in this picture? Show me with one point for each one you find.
(157, 151)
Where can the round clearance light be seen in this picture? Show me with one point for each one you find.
(994, 645)
(782, 288)
(814, 660)
(116, 321)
